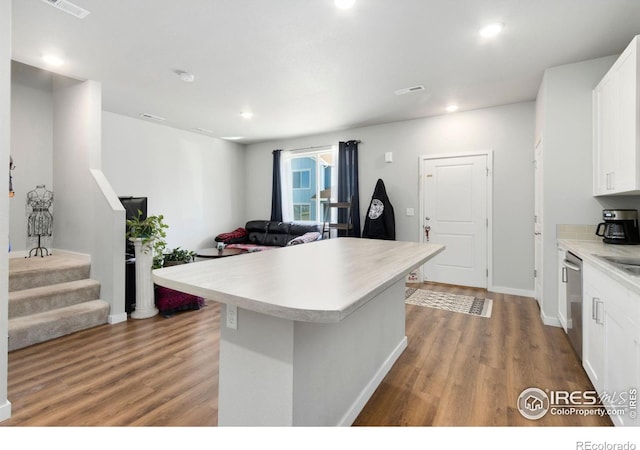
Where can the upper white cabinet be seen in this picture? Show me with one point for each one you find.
(616, 124)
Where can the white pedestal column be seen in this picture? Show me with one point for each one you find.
(145, 298)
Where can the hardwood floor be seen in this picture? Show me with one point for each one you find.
(458, 370)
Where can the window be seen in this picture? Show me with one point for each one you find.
(311, 175)
(302, 212)
(301, 179)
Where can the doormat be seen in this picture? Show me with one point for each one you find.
(465, 304)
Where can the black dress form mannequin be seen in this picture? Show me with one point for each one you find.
(40, 219)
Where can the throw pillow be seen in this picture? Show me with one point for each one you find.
(236, 236)
(307, 237)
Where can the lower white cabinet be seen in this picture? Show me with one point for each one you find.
(611, 342)
(621, 367)
(593, 338)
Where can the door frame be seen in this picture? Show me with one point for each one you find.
(489, 193)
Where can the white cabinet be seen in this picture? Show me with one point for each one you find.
(621, 348)
(594, 285)
(616, 114)
(611, 342)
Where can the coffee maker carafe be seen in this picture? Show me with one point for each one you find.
(620, 226)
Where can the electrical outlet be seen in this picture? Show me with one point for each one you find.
(232, 317)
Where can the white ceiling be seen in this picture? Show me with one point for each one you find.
(304, 67)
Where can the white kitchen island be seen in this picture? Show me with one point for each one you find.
(317, 326)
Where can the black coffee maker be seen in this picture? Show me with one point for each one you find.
(620, 226)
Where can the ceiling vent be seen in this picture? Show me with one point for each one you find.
(68, 7)
(152, 117)
(417, 88)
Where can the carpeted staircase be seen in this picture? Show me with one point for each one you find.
(50, 297)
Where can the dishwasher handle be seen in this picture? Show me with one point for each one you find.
(569, 265)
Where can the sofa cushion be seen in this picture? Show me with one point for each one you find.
(257, 230)
(277, 234)
(298, 229)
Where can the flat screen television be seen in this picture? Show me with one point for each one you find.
(134, 204)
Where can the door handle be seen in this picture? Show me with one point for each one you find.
(594, 308)
(564, 275)
(599, 319)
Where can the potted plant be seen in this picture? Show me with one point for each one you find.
(151, 233)
(178, 256)
(147, 235)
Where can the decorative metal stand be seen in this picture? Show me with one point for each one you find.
(40, 218)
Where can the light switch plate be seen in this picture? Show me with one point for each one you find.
(410, 212)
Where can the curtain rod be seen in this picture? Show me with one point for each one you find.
(320, 146)
(308, 148)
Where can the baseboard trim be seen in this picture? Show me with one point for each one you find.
(13, 254)
(117, 318)
(548, 320)
(352, 413)
(512, 291)
(5, 410)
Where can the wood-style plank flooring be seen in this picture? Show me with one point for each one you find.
(458, 370)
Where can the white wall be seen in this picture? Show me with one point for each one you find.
(76, 123)
(5, 142)
(507, 130)
(31, 142)
(195, 181)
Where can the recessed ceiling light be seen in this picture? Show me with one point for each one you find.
(452, 108)
(491, 30)
(231, 138)
(53, 60)
(344, 4)
(247, 115)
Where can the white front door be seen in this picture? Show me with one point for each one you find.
(455, 207)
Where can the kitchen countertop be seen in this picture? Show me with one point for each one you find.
(336, 276)
(589, 251)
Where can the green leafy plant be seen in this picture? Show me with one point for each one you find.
(179, 256)
(151, 232)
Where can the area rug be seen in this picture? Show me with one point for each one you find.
(465, 304)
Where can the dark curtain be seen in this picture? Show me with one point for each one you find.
(276, 189)
(348, 186)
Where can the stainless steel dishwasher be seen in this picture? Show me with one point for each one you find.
(572, 276)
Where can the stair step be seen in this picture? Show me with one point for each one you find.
(36, 328)
(45, 298)
(28, 273)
